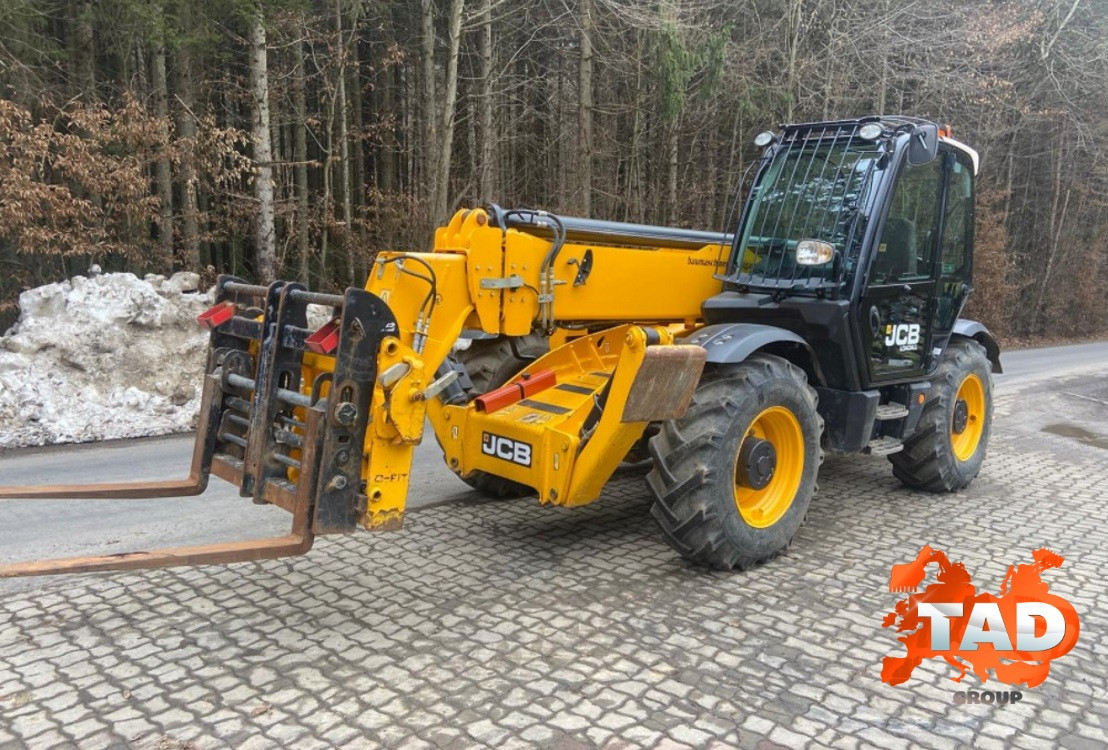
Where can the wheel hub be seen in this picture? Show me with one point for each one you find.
(757, 463)
(961, 416)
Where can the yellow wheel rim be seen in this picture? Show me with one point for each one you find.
(965, 437)
(764, 507)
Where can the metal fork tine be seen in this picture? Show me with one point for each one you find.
(194, 484)
(188, 487)
(298, 541)
(204, 554)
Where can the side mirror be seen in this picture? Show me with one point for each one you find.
(923, 145)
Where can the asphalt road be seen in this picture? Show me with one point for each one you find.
(45, 528)
(1052, 360)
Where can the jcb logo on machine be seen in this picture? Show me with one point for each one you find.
(510, 450)
(903, 335)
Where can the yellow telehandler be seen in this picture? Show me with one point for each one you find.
(828, 320)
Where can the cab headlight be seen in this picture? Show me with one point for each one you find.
(764, 138)
(814, 252)
(871, 131)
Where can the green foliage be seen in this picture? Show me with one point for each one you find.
(689, 64)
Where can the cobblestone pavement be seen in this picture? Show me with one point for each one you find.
(511, 625)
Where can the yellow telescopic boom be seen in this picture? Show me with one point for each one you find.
(324, 422)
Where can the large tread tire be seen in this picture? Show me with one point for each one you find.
(694, 464)
(928, 461)
(490, 363)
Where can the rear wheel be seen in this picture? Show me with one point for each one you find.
(734, 477)
(947, 449)
(490, 363)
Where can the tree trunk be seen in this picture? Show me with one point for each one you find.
(186, 138)
(84, 62)
(566, 149)
(634, 209)
(385, 95)
(584, 109)
(671, 170)
(300, 160)
(486, 191)
(162, 175)
(430, 104)
(326, 202)
(883, 80)
(407, 169)
(734, 177)
(357, 158)
(472, 147)
(1010, 177)
(1057, 221)
(265, 240)
(341, 113)
(441, 189)
(793, 18)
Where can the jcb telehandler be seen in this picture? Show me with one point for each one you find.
(828, 320)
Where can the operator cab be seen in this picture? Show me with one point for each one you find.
(857, 235)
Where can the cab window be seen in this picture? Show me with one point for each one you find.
(905, 250)
(959, 217)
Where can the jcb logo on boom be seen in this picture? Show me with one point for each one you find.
(510, 450)
(903, 335)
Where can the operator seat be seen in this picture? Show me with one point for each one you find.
(899, 258)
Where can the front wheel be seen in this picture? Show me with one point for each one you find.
(734, 477)
(947, 449)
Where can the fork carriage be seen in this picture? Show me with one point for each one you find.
(283, 444)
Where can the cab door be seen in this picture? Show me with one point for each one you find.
(897, 307)
(956, 271)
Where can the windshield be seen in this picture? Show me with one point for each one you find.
(809, 191)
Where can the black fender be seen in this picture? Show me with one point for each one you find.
(971, 329)
(728, 343)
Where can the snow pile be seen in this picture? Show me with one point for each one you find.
(109, 356)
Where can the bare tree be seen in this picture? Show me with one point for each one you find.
(584, 109)
(440, 200)
(429, 131)
(163, 176)
(300, 157)
(342, 116)
(265, 231)
(486, 166)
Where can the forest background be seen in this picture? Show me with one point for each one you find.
(295, 138)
